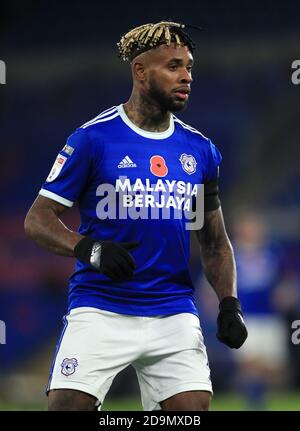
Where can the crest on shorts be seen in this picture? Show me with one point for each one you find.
(188, 163)
(68, 366)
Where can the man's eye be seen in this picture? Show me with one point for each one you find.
(189, 69)
(173, 67)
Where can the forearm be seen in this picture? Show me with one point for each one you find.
(220, 270)
(219, 267)
(46, 229)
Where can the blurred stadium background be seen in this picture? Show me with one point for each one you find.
(62, 70)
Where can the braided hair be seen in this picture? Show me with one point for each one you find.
(149, 36)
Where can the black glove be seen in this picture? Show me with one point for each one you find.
(231, 327)
(108, 257)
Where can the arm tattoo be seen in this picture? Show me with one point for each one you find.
(217, 255)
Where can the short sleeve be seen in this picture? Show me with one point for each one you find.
(70, 170)
(214, 159)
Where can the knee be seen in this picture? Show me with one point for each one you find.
(204, 403)
(188, 401)
(70, 400)
(201, 402)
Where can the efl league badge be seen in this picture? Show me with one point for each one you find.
(68, 366)
(188, 163)
(56, 168)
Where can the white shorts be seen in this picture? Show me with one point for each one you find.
(167, 352)
(266, 342)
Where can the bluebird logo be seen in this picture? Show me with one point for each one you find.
(188, 163)
(2, 332)
(68, 366)
(2, 72)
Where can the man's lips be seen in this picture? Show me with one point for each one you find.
(182, 93)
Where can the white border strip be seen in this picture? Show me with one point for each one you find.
(56, 198)
(188, 127)
(101, 120)
(102, 114)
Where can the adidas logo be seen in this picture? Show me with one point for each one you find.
(126, 163)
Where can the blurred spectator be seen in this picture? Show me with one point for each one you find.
(262, 361)
(287, 300)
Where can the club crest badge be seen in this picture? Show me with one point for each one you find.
(188, 163)
(68, 366)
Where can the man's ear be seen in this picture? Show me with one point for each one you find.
(139, 71)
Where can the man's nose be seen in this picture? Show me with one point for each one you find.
(186, 77)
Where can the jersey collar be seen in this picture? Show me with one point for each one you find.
(151, 135)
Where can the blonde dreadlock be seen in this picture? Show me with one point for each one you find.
(148, 36)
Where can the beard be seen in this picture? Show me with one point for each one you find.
(166, 101)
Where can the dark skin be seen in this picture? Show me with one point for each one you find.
(217, 255)
(157, 76)
(70, 400)
(161, 85)
(44, 226)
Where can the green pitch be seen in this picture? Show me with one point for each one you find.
(280, 402)
(226, 402)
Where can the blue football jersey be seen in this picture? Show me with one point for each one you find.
(259, 272)
(125, 180)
